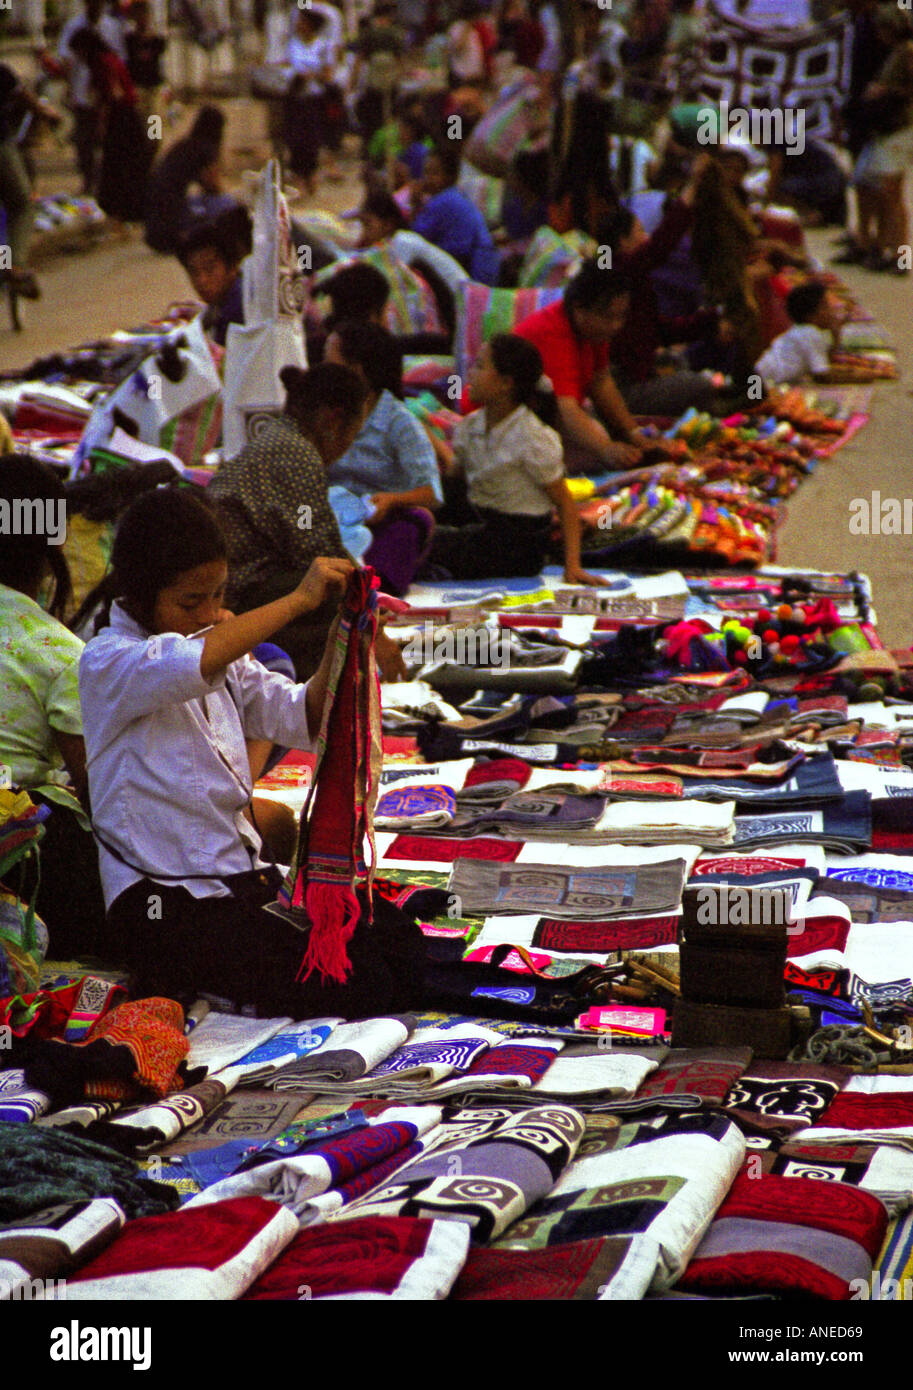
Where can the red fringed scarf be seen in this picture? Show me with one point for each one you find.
(339, 812)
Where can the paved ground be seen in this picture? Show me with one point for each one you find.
(116, 284)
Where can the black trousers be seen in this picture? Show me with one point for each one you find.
(492, 545)
(70, 901)
(180, 946)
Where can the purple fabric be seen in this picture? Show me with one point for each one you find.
(400, 546)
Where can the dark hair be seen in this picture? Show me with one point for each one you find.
(356, 292)
(514, 357)
(532, 168)
(617, 225)
(230, 234)
(384, 206)
(208, 126)
(164, 534)
(595, 288)
(25, 480)
(376, 351)
(450, 157)
(804, 301)
(327, 384)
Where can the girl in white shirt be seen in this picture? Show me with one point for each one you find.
(166, 716)
(513, 466)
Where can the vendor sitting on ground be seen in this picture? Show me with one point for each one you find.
(573, 337)
(391, 461)
(211, 254)
(513, 468)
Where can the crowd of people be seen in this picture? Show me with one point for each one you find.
(673, 294)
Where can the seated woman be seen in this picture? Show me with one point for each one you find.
(392, 460)
(514, 470)
(166, 714)
(41, 744)
(275, 510)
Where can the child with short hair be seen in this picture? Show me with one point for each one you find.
(803, 352)
(514, 469)
(211, 254)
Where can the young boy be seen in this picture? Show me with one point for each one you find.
(803, 352)
(212, 257)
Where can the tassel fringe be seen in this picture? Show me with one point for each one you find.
(334, 911)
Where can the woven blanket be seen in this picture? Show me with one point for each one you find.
(283, 1049)
(663, 1178)
(351, 1050)
(148, 1127)
(222, 1040)
(202, 1254)
(376, 1257)
(487, 1168)
(254, 1115)
(568, 938)
(892, 1277)
(877, 1109)
(881, 1169)
(790, 1236)
(616, 1267)
(690, 1077)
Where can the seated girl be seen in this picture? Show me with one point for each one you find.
(514, 471)
(41, 744)
(169, 697)
(391, 461)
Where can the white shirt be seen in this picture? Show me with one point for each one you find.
(310, 60)
(168, 784)
(79, 77)
(800, 352)
(509, 466)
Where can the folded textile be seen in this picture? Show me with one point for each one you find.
(892, 1276)
(351, 1050)
(321, 1180)
(223, 1039)
(375, 1257)
(614, 1267)
(692, 1076)
(877, 1109)
(254, 1115)
(603, 1075)
(213, 1253)
(19, 1102)
(424, 807)
(53, 1242)
(41, 1168)
(209, 1166)
(882, 1169)
(791, 1236)
(148, 1127)
(782, 1097)
(813, 782)
(844, 827)
(584, 893)
(487, 1167)
(284, 1048)
(663, 1178)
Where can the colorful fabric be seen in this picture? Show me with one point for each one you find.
(602, 937)
(552, 257)
(351, 1050)
(210, 1254)
(96, 996)
(482, 312)
(893, 1272)
(19, 1102)
(153, 1031)
(598, 893)
(789, 1236)
(487, 1168)
(372, 1258)
(617, 1267)
(782, 1097)
(339, 811)
(661, 1180)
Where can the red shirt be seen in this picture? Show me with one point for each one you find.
(571, 362)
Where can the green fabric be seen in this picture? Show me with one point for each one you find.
(42, 1168)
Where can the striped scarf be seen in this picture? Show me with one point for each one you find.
(339, 812)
